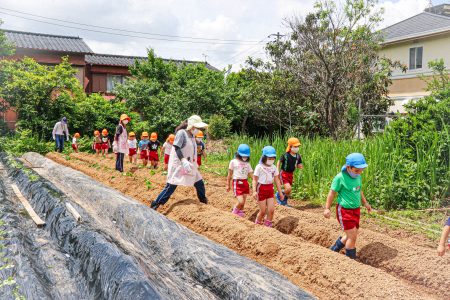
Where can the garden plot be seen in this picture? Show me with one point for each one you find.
(124, 250)
(394, 268)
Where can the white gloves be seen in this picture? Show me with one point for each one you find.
(186, 165)
(115, 150)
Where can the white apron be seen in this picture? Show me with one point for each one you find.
(122, 141)
(176, 174)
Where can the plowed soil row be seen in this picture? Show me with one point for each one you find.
(387, 267)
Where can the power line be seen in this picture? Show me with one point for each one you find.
(228, 41)
(242, 52)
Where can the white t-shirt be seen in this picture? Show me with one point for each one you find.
(240, 168)
(132, 144)
(265, 173)
(167, 148)
(74, 140)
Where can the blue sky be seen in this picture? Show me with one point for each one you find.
(249, 20)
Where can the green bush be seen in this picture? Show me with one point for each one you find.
(25, 141)
(219, 127)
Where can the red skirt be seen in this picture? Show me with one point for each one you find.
(153, 156)
(105, 146)
(199, 160)
(74, 147)
(286, 177)
(132, 151)
(166, 158)
(98, 146)
(241, 187)
(347, 217)
(264, 191)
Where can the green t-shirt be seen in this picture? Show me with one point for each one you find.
(348, 189)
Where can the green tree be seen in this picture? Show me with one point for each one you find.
(6, 47)
(328, 62)
(40, 94)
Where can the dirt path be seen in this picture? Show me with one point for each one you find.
(394, 268)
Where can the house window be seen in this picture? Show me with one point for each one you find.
(415, 58)
(112, 81)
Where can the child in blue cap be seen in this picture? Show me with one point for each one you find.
(239, 171)
(263, 177)
(444, 239)
(348, 186)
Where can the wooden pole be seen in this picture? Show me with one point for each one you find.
(28, 207)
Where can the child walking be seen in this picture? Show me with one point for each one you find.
(444, 238)
(287, 164)
(97, 144)
(348, 186)
(75, 142)
(106, 144)
(143, 148)
(166, 148)
(263, 177)
(238, 172)
(200, 147)
(132, 147)
(154, 146)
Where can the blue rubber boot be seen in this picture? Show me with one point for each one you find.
(351, 253)
(284, 202)
(338, 245)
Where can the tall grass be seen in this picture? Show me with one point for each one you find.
(398, 175)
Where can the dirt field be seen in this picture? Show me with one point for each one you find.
(390, 265)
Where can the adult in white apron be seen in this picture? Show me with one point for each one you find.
(183, 168)
(120, 145)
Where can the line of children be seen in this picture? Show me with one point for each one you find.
(200, 148)
(75, 138)
(287, 164)
(132, 147)
(239, 171)
(166, 148)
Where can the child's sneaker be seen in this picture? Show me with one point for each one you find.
(284, 202)
(258, 222)
(238, 212)
(268, 223)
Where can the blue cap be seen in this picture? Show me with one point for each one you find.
(355, 160)
(269, 151)
(244, 150)
(64, 119)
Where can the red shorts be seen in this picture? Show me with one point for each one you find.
(166, 158)
(348, 218)
(74, 147)
(98, 146)
(241, 187)
(105, 146)
(153, 156)
(132, 151)
(199, 160)
(286, 177)
(265, 191)
(144, 154)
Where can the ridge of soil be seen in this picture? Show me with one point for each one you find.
(394, 267)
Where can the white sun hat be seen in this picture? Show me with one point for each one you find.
(196, 121)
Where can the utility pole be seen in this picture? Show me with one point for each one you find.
(278, 37)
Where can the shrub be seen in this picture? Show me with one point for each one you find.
(219, 127)
(25, 141)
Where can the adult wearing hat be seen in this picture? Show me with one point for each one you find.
(58, 134)
(120, 146)
(183, 168)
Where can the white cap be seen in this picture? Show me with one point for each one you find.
(196, 121)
